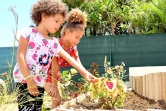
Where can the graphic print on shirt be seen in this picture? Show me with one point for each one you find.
(32, 69)
(42, 58)
(39, 54)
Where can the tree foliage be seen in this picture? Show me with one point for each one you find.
(118, 17)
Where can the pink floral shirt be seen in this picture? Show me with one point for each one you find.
(40, 52)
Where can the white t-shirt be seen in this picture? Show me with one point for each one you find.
(40, 52)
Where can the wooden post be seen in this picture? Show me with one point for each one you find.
(149, 82)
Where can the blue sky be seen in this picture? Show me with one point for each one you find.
(7, 22)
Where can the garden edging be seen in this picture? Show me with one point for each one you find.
(67, 104)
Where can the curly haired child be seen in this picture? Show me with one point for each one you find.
(71, 35)
(35, 52)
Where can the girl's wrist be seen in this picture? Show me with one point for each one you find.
(55, 85)
(88, 73)
(28, 77)
(54, 81)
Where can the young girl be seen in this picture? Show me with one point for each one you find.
(35, 52)
(71, 34)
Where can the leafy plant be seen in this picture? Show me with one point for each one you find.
(93, 69)
(13, 52)
(84, 86)
(73, 3)
(156, 9)
(6, 93)
(69, 86)
(109, 92)
(116, 17)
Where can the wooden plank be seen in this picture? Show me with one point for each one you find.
(159, 86)
(146, 86)
(151, 92)
(139, 85)
(143, 86)
(134, 82)
(155, 86)
(131, 81)
(163, 86)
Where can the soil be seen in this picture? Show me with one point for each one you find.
(132, 102)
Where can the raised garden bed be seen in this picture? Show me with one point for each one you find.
(132, 102)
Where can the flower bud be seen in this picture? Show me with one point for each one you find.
(73, 71)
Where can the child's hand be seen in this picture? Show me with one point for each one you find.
(32, 87)
(56, 101)
(97, 79)
(57, 98)
(94, 79)
(90, 78)
(53, 91)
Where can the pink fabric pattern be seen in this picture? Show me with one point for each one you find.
(39, 56)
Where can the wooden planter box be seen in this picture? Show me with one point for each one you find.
(67, 104)
(149, 82)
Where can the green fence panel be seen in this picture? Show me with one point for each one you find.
(133, 50)
(94, 49)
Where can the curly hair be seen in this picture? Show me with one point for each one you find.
(49, 7)
(76, 19)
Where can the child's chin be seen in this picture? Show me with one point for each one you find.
(73, 45)
(52, 32)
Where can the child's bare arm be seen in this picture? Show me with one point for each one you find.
(55, 70)
(21, 54)
(77, 65)
(91, 76)
(78, 58)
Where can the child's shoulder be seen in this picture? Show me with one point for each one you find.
(27, 30)
(55, 39)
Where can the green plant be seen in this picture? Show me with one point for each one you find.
(109, 91)
(13, 52)
(93, 69)
(83, 86)
(111, 72)
(6, 92)
(157, 18)
(68, 86)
